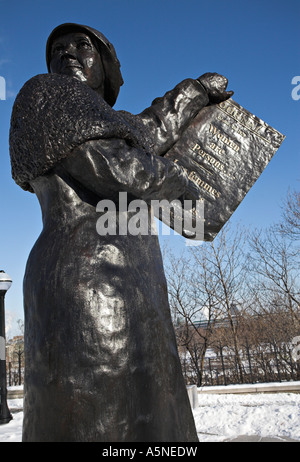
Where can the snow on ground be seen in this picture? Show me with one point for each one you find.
(221, 417)
(218, 417)
(12, 432)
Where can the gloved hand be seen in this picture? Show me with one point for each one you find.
(215, 86)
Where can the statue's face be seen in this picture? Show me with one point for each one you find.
(74, 54)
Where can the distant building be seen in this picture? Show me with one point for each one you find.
(15, 360)
(220, 322)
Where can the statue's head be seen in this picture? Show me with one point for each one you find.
(85, 53)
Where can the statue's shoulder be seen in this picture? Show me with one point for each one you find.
(44, 94)
(43, 84)
(34, 93)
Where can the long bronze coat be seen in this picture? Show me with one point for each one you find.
(101, 356)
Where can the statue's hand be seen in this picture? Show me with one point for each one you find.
(215, 86)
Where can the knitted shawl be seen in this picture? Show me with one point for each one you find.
(53, 114)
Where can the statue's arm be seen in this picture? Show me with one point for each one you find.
(168, 116)
(106, 167)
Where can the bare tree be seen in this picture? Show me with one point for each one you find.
(290, 224)
(240, 297)
(193, 312)
(227, 269)
(205, 286)
(275, 270)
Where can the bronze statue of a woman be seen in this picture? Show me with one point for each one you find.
(101, 356)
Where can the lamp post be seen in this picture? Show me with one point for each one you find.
(5, 415)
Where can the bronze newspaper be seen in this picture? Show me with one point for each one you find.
(224, 150)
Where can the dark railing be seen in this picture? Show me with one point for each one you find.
(269, 365)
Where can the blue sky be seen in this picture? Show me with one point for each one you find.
(254, 43)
